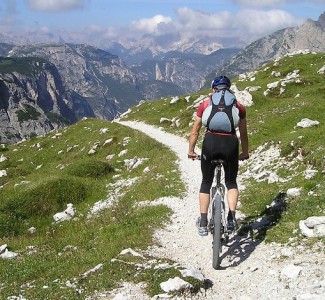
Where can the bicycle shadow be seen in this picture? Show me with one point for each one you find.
(240, 246)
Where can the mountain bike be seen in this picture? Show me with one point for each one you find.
(217, 225)
(217, 214)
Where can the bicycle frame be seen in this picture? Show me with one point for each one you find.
(217, 213)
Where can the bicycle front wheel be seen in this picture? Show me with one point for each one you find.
(216, 244)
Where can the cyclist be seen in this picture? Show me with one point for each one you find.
(219, 145)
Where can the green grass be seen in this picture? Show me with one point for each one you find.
(47, 173)
(272, 120)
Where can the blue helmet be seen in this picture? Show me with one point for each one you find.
(222, 81)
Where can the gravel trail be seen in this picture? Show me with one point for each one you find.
(249, 269)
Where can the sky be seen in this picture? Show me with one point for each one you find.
(109, 19)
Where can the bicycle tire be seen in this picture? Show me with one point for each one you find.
(216, 243)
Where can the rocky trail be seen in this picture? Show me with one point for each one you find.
(250, 269)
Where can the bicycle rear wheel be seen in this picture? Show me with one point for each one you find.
(216, 244)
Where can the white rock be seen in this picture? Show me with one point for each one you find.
(276, 74)
(174, 100)
(174, 284)
(311, 222)
(130, 251)
(39, 166)
(253, 88)
(109, 157)
(146, 170)
(305, 123)
(163, 119)
(103, 130)
(321, 70)
(319, 231)
(273, 178)
(3, 158)
(192, 272)
(123, 152)
(244, 97)
(305, 230)
(272, 85)
(294, 192)
(8, 254)
(108, 141)
(3, 173)
(3, 247)
(66, 215)
(290, 272)
(31, 230)
(309, 174)
(93, 270)
(133, 162)
(91, 151)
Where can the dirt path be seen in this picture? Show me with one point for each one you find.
(249, 269)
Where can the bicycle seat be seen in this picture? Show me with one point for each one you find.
(218, 161)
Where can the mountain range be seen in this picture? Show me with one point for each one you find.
(65, 82)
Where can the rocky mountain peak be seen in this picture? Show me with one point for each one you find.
(321, 20)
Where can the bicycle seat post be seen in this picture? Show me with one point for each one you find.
(218, 163)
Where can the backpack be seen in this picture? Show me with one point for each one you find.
(221, 115)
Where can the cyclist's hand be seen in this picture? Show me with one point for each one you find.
(192, 155)
(243, 156)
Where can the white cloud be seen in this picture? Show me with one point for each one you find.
(249, 24)
(191, 19)
(246, 24)
(265, 22)
(55, 5)
(150, 25)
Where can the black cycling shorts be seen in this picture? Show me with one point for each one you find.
(219, 146)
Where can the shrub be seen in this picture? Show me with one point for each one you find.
(91, 168)
(39, 201)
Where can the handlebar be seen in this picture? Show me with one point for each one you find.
(199, 157)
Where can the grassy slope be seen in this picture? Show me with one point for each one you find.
(41, 182)
(271, 120)
(44, 174)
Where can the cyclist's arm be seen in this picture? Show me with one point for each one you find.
(243, 139)
(194, 136)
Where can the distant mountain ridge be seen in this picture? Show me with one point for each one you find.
(102, 84)
(110, 86)
(310, 35)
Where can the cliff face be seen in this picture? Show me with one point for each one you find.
(95, 75)
(34, 101)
